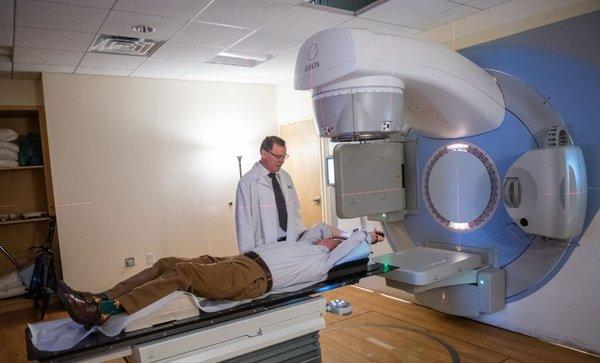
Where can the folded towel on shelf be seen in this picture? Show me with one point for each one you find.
(13, 291)
(9, 217)
(9, 154)
(31, 215)
(7, 162)
(8, 135)
(9, 145)
(10, 280)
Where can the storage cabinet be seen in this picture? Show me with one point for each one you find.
(25, 189)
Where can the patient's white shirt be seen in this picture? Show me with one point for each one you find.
(302, 262)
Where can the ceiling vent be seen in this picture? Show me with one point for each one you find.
(354, 6)
(114, 44)
(239, 58)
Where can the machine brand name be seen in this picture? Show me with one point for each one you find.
(311, 65)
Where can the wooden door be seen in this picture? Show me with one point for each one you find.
(304, 165)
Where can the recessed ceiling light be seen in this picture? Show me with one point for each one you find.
(143, 29)
(239, 58)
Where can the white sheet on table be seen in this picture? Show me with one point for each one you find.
(63, 334)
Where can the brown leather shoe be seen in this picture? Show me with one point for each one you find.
(83, 295)
(84, 312)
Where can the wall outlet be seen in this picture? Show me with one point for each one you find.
(129, 262)
(150, 258)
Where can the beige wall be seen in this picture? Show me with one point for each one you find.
(138, 168)
(14, 92)
(292, 105)
(492, 23)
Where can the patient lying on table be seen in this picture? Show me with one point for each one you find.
(268, 267)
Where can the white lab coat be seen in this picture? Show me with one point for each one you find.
(256, 217)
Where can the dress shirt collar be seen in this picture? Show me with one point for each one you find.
(263, 172)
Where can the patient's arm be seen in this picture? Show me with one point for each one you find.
(342, 248)
(330, 243)
(346, 246)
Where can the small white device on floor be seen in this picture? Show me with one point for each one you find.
(339, 307)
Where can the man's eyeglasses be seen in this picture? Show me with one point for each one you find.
(280, 157)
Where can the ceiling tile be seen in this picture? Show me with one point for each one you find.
(247, 14)
(305, 21)
(185, 9)
(52, 39)
(47, 56)
(213, 72)
(163, 68)
(120, 23)
(103, 71)
(102, 4)
(484, 4)
(210, 34)
(445, 17)
(272, 43)
(7, 12)
(407, 12)
(281, 66)
(186, 52)
(37, 14)
(6, 35)
(115, 61)
(380, 27)
(25, 67)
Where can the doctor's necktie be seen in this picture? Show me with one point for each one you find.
(281, 210)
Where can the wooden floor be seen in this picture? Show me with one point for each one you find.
(380, 329)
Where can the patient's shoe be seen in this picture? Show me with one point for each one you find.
(83, 312)
(83, 295)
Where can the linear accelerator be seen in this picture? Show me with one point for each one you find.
(420, 133)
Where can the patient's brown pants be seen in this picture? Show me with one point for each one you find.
(233, 278)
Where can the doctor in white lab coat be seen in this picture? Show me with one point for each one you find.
(259, 216)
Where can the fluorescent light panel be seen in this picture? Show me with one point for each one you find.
(239, 58)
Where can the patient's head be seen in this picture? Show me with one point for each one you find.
(330, 243)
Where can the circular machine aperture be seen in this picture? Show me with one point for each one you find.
(461, 186)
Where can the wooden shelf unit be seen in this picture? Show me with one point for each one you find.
(11, 168)
(25, 189)
(31, 220)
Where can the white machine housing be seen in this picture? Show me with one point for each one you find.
(545, 191)
(367, 85)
